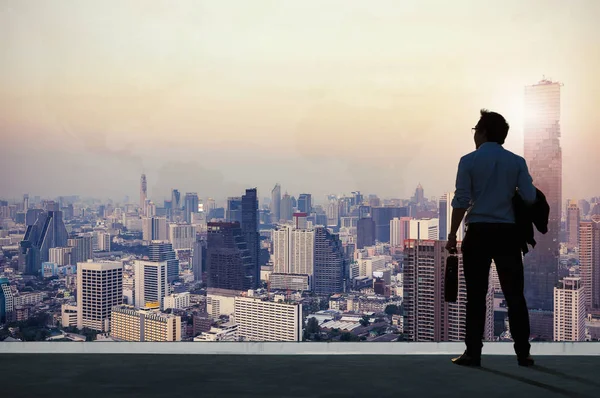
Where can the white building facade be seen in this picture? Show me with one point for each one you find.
(177, 301)
(569, 310)
(99, 288)
(150, 284)
(260, 320)
(182, 236)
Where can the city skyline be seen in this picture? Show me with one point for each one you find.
(321, 97)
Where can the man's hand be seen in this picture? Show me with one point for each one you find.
(451, 246)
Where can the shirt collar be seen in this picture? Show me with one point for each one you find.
(489, 144)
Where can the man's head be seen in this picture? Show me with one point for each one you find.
(492, 127)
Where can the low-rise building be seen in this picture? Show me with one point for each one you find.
(293, 282)
(29, 298)
(130, 324)
(221, 301)
(68, 315)
(261, 320)
(226, 332)
(22, 313)
(177, 301)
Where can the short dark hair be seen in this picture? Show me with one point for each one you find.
(495, 126)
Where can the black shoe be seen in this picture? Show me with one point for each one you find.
(526, 361)
(466, 360)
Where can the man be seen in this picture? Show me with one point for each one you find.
(486, 183)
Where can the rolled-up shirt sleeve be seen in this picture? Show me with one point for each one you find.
(462, 194)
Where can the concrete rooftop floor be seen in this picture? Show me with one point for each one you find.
(281, 376)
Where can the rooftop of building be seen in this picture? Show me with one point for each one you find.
(213, 291)
(345, 370)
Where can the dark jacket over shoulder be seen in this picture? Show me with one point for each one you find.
(528, 216)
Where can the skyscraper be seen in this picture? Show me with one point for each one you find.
(420, 195)
(589, 262)
(443, 213)
(573, 219)
(250, 231)
(7, 304)
(382, 216)
(82, 249)
(154, 228)
(104, 242)
(61, 256)
(182, 236)
(197, 259)
(163, 251)
(569, 310)
(445, 217)
(357, 198)
(47, 232)
(32, 215)
(584, 206)
(374, 201)
(399, 231)
(50, 205)
(191, 205)
(175, 199)
(344, 205)
(293, 250)
(151, 283)
(428, 317)
(276, 203)
(150, 208)
(333, 213)
(99, 288)
(305, 203)
(228, 261)
(234, 209)
(424, 229)
(544, 158)
(286, 208)
(365, 233)
(329, 263)
(25, 202)
(300, 220)
(294, 203)
(143, 194)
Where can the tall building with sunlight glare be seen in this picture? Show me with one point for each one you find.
(544, 157)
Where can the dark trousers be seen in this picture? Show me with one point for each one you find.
(483, 243)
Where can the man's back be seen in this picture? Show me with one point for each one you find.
(486, 182)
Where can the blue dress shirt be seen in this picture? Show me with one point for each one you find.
(486, 183)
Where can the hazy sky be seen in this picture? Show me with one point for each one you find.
(320, 96)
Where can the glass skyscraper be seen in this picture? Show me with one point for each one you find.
(330, 263)
(250, 230)
(191, 206)
(544, 158)
(234, 209)
(47, 232)
(163, 251)
(305, 203)
(382, 216)
(6, 301)
(276, 203)
(228, 261)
